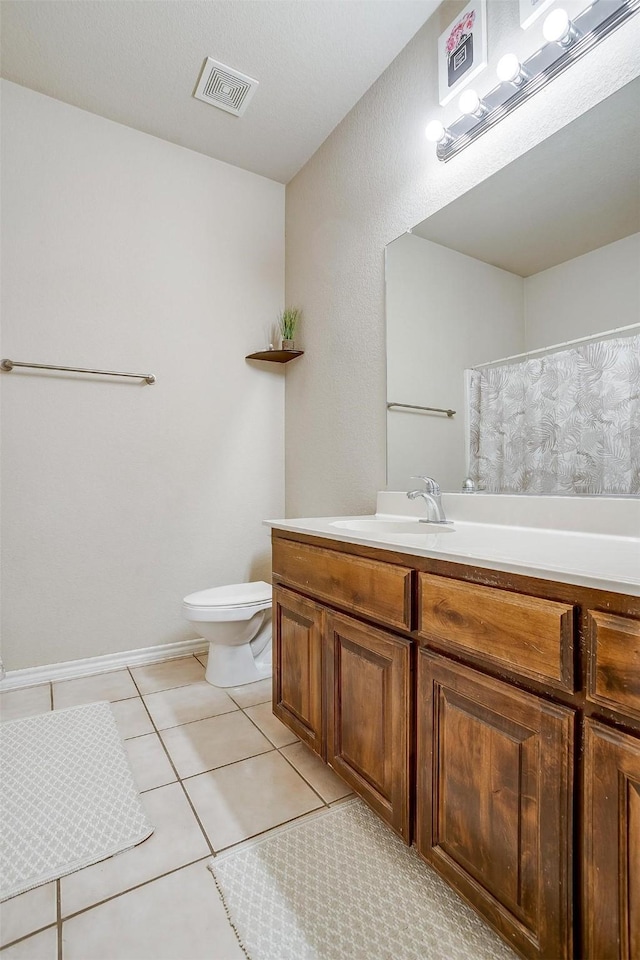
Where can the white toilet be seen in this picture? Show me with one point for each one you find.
(236, 620)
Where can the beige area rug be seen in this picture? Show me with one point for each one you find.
(343, 886)
(67, 796)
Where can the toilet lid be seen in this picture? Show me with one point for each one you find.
(234, 595)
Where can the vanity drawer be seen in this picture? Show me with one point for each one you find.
(527, 635)
(613, 645)
(375, 589)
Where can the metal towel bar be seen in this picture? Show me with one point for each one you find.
(413, 406)
(10, 364)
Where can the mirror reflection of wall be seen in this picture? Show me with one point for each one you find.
(456, 311)
(546, 251)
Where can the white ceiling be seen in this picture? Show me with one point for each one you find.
(138, 61)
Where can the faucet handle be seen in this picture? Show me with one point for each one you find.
(430, 485)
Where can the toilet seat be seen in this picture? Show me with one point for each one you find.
(239, 601)
(233, 595)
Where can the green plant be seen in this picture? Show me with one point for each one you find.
(288, 321)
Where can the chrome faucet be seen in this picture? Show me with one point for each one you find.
(432, 498)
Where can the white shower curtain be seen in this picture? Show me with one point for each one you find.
(568, 422)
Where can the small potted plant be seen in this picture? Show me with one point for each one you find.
(288, 322)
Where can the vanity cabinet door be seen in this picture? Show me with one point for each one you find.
(494, 810)
(369, 706)
(612, 844)
(297, 666)
(613, 650)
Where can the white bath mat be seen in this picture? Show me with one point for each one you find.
(67, 796)
(342, 886)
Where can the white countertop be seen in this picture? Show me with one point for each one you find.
(597, 560)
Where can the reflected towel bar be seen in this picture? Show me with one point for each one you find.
(413, 406)
(10, 364)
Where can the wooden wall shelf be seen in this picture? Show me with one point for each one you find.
(275, 356)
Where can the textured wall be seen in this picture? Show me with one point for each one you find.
(374, 177)
(125, 252)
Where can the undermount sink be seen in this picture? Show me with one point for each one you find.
(376, 525)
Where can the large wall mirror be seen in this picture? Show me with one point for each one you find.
(498, 304)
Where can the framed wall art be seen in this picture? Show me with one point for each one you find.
(462, 50)
(530, 10)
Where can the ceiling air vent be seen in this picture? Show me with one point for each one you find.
(225, 88)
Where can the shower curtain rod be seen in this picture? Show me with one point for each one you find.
(10, 364)
(558, 346)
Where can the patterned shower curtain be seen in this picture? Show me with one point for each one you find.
(568, 422)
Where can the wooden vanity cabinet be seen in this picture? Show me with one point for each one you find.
(343, 688)
(494, 718)
(369, 697)
(342, 685)
(611, 879)
(298, 626)
(531, 635)
(494, 800)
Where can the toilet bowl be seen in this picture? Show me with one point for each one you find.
(236, 620)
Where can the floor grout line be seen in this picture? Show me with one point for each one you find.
(137, 886)
(186, 723)
(32, 933)
(325, 802)
(179, 779)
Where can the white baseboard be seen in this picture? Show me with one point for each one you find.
(72, 669)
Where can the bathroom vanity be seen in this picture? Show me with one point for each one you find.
(487, 708)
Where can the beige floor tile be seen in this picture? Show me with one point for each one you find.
(149, 762)
(169, 673)
(251, 693)
(207, 744)
(176, 917)
(30, 911)
(44, 946)
(15, 704)
(170, 708)
(246, 798)
(177, 840)
(321, 777)
(116, 685)
(262, 715)
(132, 718)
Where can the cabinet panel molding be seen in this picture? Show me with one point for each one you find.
(381, 591)
(369, 700)
(613, 662)
(297, 674)
(527, 635)
(494, 811)
(612, 844)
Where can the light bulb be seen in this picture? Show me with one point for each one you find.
(557, 28)
(509, 69)
(471, 104)
(435, 132)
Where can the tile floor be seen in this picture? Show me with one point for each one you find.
(214, 768)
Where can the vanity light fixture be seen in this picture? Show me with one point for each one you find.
(510, 70)
(436, 132)
(471, 105)
(566, 42)
(558, 28)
